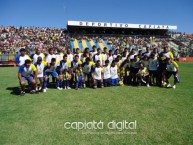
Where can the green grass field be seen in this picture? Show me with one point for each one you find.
(164, 116)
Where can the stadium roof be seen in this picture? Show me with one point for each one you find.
(120, 25)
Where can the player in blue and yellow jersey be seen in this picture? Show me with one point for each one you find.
(28, 72)
(50, 69)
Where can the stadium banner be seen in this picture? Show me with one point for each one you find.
(186, 59)
(120, 25)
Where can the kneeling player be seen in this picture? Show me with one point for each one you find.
(50, 69)
(143, 75)
(28, 72)
(40, 68)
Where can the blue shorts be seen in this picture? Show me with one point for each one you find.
(114, 82)
(54, 73)
(79, 78)
(29, 78)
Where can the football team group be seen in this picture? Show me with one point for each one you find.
(96, 68)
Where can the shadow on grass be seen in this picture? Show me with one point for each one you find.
(14, 90)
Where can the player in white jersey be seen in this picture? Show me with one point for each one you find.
(20, 59)
(40, 65)
(97, 75)
(153, 68)
(105, 55)
(50, 56)
(69, 55)
(107, 74)
(172, 68)
(98, 56)
(114, 74)
(36, 55)
(110, 57)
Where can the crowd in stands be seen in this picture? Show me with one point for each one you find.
(12, 39)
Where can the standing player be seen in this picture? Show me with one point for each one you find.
(37, 54)
(20, 59)
(98, 56)
(50, 55)
(79, 77)
(153, 67)
(97, 75)
(87, 67)
(65, 64)
(28, 72)
(107, 74)
(114, 74)
(172, 68)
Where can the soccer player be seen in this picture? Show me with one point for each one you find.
(172, 68)
(28, 72)
(104, 55)
(78, 53)
(110, 57)
(114, 74)
(94, 50)
(37, 54)
(20, 59)
(79, 77)
(66, 78)
(75, 62)
(107, 74)
(153, 67)
(162, 66)
(40, 68)
(65, 64)
(50, 69)
(98, 56)
(148, 52)
(143, 75)
(50, 55)
(87, 68)
(145, 61)
(97, 75)
(134, 68)
(69, 55)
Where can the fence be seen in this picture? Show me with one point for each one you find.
(7, 60)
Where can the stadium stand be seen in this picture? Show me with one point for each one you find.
(12, 39)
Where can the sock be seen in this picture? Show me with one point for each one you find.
(57, 83)
(45, 84)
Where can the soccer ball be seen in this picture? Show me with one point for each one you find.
(121, 83)
(164, 84)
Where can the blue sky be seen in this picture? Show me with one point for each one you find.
(55, 13)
